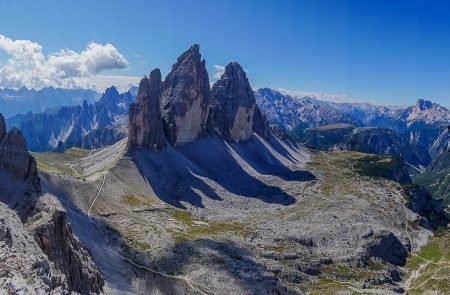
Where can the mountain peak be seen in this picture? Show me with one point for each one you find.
(185, 98)
(193, 53)
(422, 104)
(111, 91)
(233, 105)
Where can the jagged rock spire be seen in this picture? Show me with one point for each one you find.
(145, 121)
(185, 98)
(182, 107)
(233, 105)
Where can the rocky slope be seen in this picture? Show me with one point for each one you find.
(292, 112)
(190, 205)
(23, 100)
(59, 264)
(187, 226)
(436, 179)
(86, 125)
(379, 141)
(24, 268)
(216, 214)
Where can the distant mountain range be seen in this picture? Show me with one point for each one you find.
(73, 118)
(23, 100)
(89, 125)
(420, 125)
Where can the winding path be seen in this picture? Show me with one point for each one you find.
(200, 289)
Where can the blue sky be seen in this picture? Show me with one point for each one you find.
(386, 52)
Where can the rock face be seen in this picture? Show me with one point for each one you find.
(185, 98)
(16, 166)
(387, 247)
(260, 124)
(233, 105)
(54, 236)
(145, 121)
(45, 220)
(25, 269)
(295, 112)
(380, 141)
(182, 108)
(14, 157)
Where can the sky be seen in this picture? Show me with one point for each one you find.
(384, 52)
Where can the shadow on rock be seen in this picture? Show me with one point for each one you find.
(220, 260)
(202, 168)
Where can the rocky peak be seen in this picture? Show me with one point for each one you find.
(14, 157)
(185, 98)
(145, 121)
(111, 92)
(423, 104)
(45, 217)
(233, 105)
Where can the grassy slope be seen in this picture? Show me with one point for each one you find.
(430, 267)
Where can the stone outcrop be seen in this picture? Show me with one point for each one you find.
(54, 236)
(145, 121)
(260, 124)
(46, 221)
(386, 246)
(15, 158)
(24, 268)
(182, 108)
(233, 105)
(185, 98)
(19, 181)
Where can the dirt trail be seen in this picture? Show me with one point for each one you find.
(199, 289)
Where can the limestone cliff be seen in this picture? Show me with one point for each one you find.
(185, 98)
(145, 121)
(233, 105)
(46, 221)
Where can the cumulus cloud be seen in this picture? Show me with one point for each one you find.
(320, 95)
(219, 71)
(28, 66)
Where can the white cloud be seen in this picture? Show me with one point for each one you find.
(28, 66)
(320, 95)
(219, 71)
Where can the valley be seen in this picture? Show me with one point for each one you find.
(306, 246)
(184, 186)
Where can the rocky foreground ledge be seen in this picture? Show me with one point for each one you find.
(39, 253)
